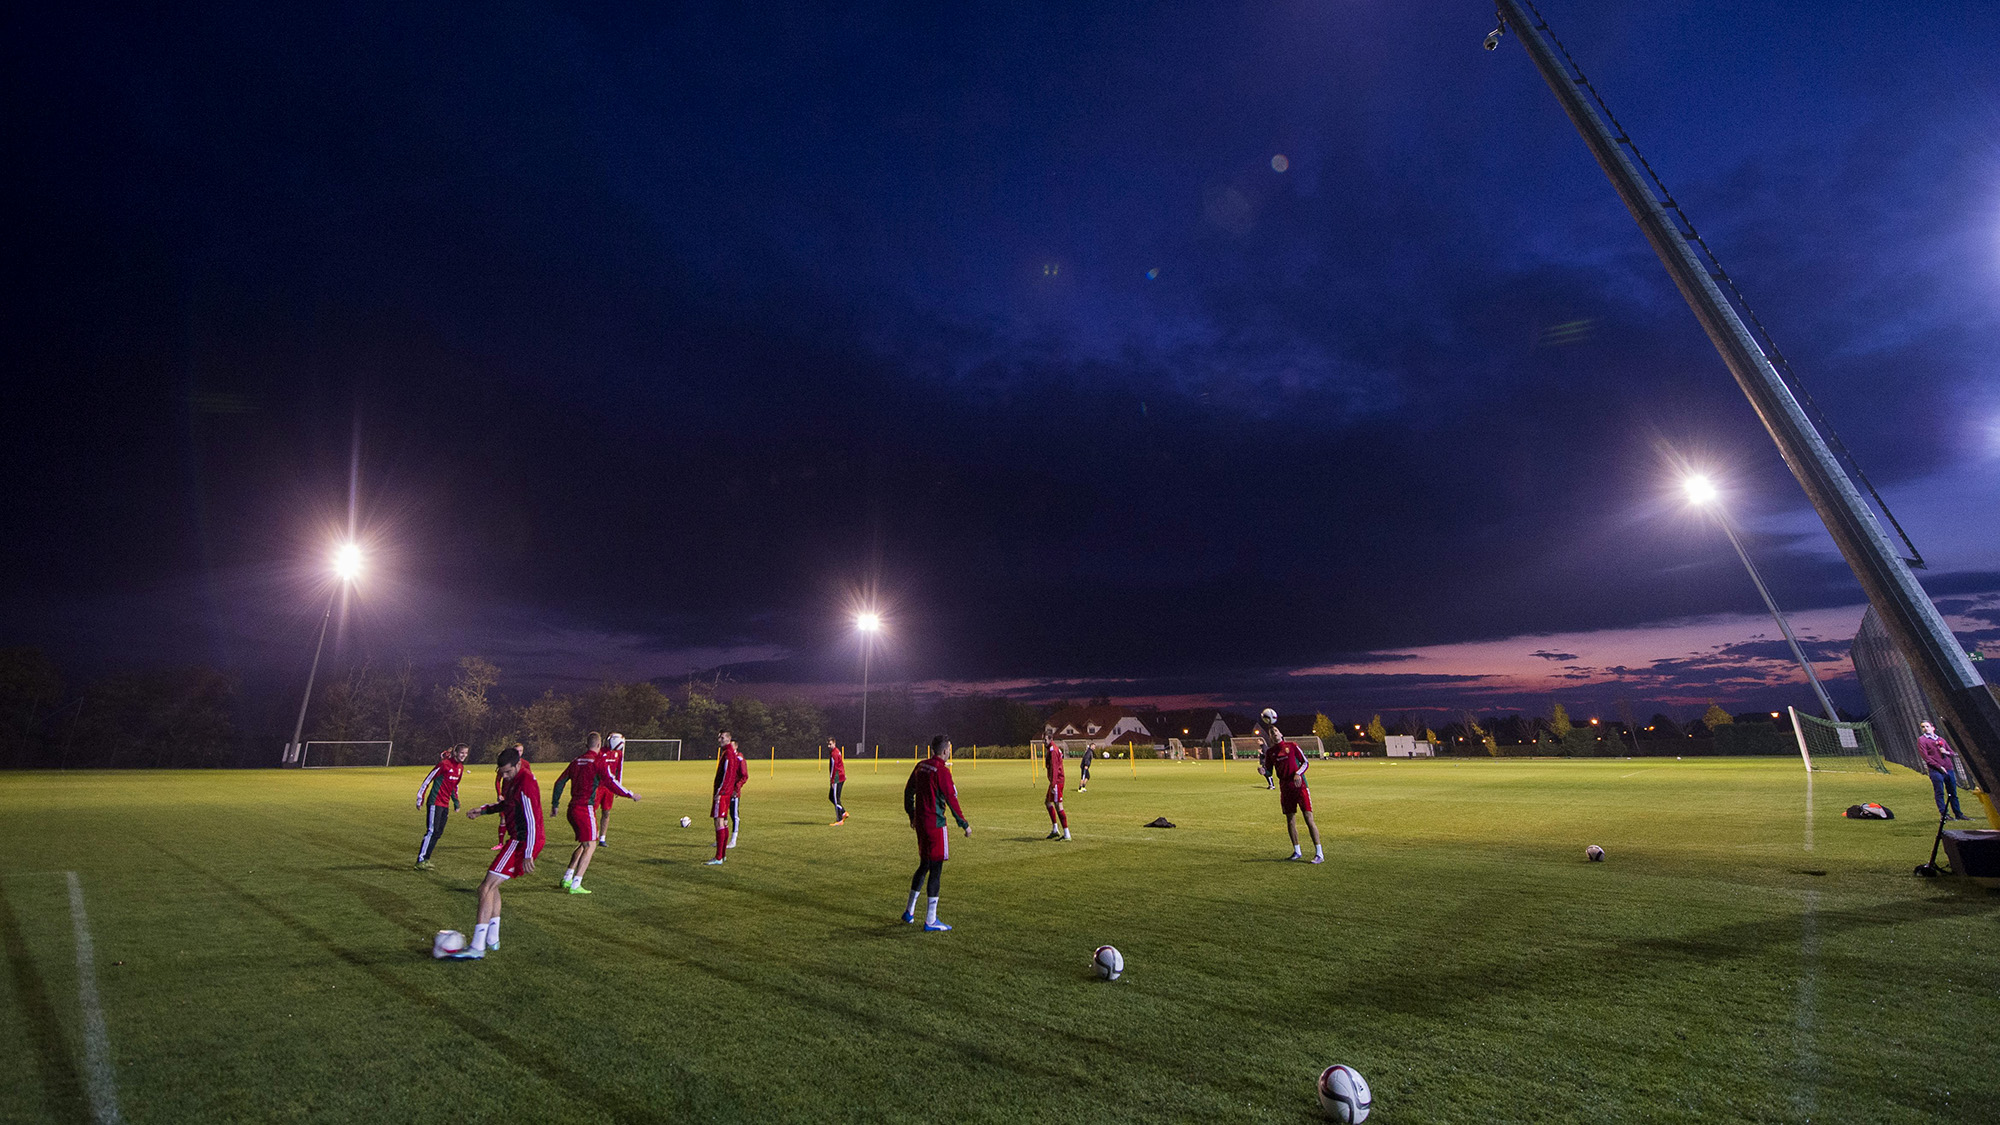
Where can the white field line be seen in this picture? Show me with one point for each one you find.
(96, 1042)
(1809, 812)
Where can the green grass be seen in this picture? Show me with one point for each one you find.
(262, 952)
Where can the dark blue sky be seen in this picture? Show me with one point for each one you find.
(655, 333)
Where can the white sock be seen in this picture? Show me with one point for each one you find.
(912, 908)
(1295, 850)
(570, 875)
(930, 911)
(479, 938)
(1065, 833)
(1319, 851)
(493, 933)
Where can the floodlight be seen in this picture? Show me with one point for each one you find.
(347, 562)
(868, 622)
(1700, 490)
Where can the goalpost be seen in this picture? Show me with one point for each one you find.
(327, 755)
(1828, 746)
(657, 749)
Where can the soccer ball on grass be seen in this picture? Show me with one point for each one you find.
(447, 943)
(1344, 1095)
(1594, 854)
(1109, 962)
(685, 822)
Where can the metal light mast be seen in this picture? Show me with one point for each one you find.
(1919, 631)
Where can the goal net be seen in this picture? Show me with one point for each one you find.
(1830, 746)
(1253, 747)
(652, 749)
(325, 755)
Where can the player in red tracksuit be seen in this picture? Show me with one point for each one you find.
(1288, 765)
(613, 756)
(520, 809)
(589, 774)
(1058, 818)
(925, 797)
(836, 778)
(501, 831)
(437, 796)
(730, 774)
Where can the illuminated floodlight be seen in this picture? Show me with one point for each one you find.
(868, 622)
(1700, 490)
(347, 562)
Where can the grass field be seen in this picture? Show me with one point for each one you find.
(261, 952)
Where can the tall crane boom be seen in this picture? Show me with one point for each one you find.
(1913, 622)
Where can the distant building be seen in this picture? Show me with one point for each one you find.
(1206, 725)
(1100, 725)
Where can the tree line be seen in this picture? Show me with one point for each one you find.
(202, 717)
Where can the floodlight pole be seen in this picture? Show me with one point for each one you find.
(1912, 621)
(298, 731)
(866, 637)
(1799, 654)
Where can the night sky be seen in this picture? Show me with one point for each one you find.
(1290, 353)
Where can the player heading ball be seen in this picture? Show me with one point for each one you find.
(1288, 765)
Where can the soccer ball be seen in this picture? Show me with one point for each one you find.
(1110, 963)
(1594, 854)
(685, 822)
(1343, 1094)
(447, 943)
(1269, 717)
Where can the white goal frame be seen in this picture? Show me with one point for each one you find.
(657, 742)
(1854, 733)
(305, 751)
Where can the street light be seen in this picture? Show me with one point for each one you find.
(347, 568)
(867, 624)
(1702, 493)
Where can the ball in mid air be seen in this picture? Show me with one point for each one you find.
(1594, 854)
(685, 822)
(1110, 963)
(1269, 717)
(447, 943)
(1344, 1095)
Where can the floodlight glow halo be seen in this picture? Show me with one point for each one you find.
(1701, 491)
(868, 622)
(347, 562)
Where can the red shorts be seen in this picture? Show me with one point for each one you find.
(720, 806)
(583, 821)
(507, 864)
(932, 842)
(1054, 799)
(1293, 800)
(604, 800)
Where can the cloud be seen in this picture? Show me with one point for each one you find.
(1557, 656)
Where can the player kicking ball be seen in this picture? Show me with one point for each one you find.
(520, 809)
(730, 774)
(440, 788)
(925, 797)
(836, 780)
(590, 774)
(1289, 763)
(1058, 819)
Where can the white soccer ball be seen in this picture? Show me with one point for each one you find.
(1594, 854)
(1270, 717)
(1110, 963)
(1343, 1094)
(447, 943)
(685, 822)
